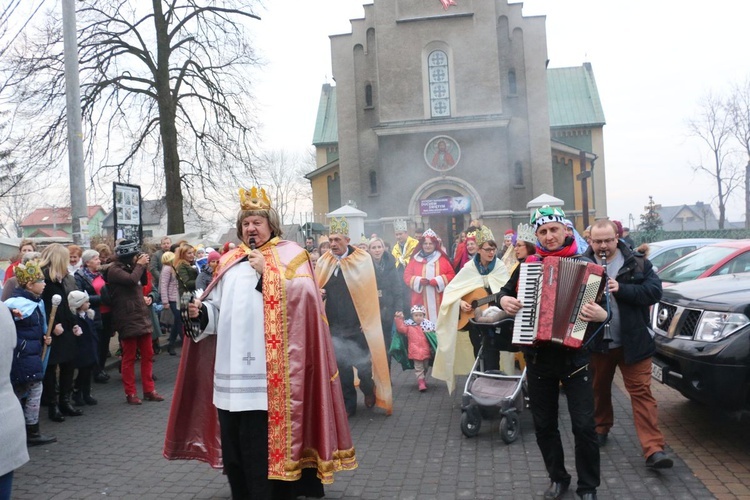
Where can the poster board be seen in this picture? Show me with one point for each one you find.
(127, 211)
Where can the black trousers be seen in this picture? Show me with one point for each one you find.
(105, 335)
(50, 383)
(544, 374)
(244, 448)
(353, 352)
(490, 352)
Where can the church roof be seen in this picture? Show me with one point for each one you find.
(326, 123)
(573, 97)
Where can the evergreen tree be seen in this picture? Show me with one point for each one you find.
(650, 221)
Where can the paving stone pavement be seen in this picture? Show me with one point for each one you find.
(114, 450)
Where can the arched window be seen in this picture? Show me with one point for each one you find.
(440, 96)
(518, 174)
(373, 182)
(368, 95)
(512, 85)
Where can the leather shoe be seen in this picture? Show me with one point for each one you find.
(370, 400)
(588, 496)
(54, 414)
(602, 439)
(101, 377)
(556, 490)
(153, 396)
(659, 460)
(133, 399)
(67, 409)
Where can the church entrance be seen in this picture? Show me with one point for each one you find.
(446, 212)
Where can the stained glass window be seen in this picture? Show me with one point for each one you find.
(440, 96)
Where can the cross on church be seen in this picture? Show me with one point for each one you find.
(249, 358)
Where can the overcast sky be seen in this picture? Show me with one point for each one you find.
(652, 61)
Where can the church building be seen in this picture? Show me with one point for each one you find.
(440, 116)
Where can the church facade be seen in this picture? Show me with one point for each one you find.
(442, 116)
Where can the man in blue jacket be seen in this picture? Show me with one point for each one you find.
(633, 287)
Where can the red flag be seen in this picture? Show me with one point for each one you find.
(447, 3)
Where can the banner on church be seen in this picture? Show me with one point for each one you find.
(445, 206)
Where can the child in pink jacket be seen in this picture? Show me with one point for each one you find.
(419, 348)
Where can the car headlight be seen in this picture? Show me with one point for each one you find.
(715, 326)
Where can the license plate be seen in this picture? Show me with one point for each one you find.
(657, 372)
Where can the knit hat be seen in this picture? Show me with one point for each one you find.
(88, 255)
(545, 215)
(126, 248)
(214, 255)
(76, 299)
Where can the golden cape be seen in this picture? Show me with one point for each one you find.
(358, 268)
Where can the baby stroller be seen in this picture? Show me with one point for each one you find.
(491, 394)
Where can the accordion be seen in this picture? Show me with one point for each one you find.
(552, 293)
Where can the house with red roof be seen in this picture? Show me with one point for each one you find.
(57, 222)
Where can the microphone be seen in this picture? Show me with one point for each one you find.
(252, 243)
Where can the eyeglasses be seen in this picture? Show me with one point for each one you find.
(604, 242)
(490, 249)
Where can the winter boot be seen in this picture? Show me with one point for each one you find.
(86, 393)
(422, 384)
(55, 414)
(35, 438)
(78, 398)
(68, 409)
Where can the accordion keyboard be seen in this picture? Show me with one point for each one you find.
(524, 328)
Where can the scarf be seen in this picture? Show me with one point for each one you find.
(569, 249)
(484, 271)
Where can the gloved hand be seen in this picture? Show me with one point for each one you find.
(424, 282)
(433, 282)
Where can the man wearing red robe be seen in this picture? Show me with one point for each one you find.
(265, 361)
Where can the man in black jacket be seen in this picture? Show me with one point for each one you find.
(634, 286)
(550, 365)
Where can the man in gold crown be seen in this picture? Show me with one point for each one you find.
(483, 275)
(265, 360)
(346, 277)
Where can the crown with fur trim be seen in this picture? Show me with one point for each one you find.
(254, 199)
(339, 225)
(526, 233)
(400, 225)
(418, 309)
(28, 273)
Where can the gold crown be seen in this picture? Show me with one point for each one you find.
(255, 199)
(483, 234)
(29, 272)
(339, 226)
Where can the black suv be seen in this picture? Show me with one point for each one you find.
(703, 340)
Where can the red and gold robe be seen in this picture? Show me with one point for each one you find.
(307, 423)
(436, 267)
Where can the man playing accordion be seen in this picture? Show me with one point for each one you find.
(551, 364)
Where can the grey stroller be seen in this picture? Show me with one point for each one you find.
(492, 394)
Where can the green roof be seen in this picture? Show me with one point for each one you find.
(326, 124)
(573, 97)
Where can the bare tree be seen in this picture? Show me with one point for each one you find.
(713, 126)
(164, 79)
(738, 107)
(282, 174)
